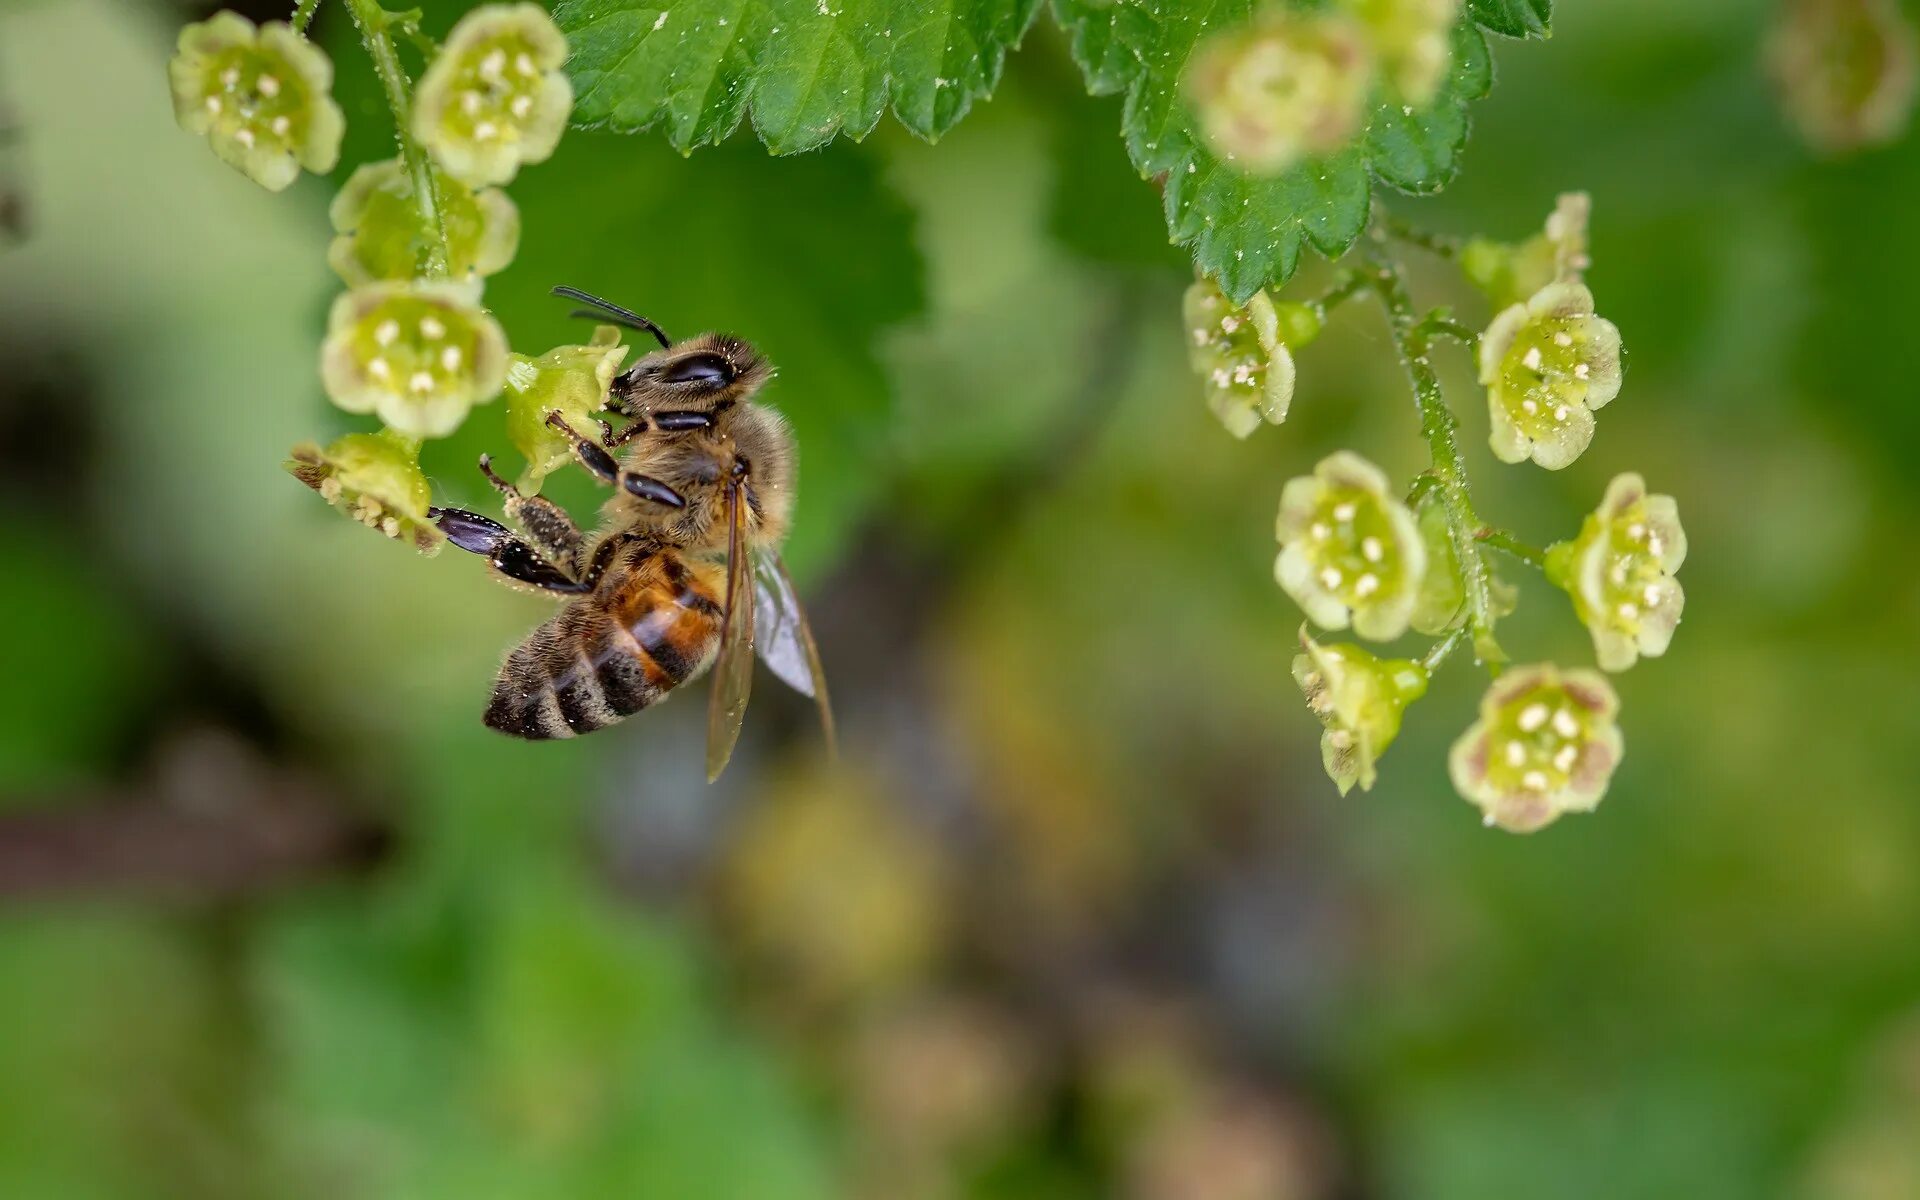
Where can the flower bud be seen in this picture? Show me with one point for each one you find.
(421, 355)
(495, 97)
(261, 95)
(1509, 274)
(1359, 698)
(1288, 86)
(570, 380)
(375, 478)
(1545, 744)
(1547, 364)
(1350, 552)
(1619, 572)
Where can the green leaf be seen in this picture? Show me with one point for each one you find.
(803, 70)
(1248, 230)
(1515, 18)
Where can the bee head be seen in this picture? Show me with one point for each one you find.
(700, 373)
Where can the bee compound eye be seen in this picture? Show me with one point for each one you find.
(709, 369)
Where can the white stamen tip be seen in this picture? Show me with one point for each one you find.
(420, 381)
(1531, 359)
(521, 106)
(1344, 512)
(1534, 716)
(1367, 584)
(1516, 754)
(1371, 549)
(386, 331)
(1331, 576)
(1564, 724)
(1534, 781)
(268, 85)
(1566, 758)
(432, 329)
(450, 358)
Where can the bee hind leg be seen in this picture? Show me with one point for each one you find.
(510, 557)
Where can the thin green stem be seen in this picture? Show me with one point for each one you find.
(1349, 285)
(1506, 543)
(303, 16)
(374, 24)
(1438, 325)
(1431, 660)
(1444, 245)
(1441, 431)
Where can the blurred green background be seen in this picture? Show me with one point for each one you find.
(1076, 914)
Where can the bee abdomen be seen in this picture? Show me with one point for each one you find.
(585, 670)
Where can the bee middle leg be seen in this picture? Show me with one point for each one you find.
(602, 466)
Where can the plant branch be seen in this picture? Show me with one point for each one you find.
(374, 24)
(1506, 543)
(303, 16)
(1440, 429)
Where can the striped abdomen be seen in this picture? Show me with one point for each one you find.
(609, 655)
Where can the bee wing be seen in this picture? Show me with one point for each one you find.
(783, 637)
(733, 670)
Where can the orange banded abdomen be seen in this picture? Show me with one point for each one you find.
(609, 655)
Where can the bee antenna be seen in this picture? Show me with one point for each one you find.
(607, 310)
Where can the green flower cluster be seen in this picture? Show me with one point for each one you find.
(410, 341)
(1354, 554)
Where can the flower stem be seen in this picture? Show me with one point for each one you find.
(1431, 660)
(1438, 325)
(1505, 542)
(373, 23)
(1444, 245)
(1349, 285)
(1441, 429)
(303, 16)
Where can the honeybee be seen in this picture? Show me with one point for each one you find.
(684, 574)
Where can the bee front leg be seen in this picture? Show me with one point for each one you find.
(602, 466)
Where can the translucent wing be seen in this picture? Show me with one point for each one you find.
(733, 670)
(783, 638)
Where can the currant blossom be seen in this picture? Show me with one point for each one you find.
(569, 380)
(418, 354)
(1359, 698)
(495, 97)
(382, 236)
(1545, 744)
(1413, 39)
(1547, 364)
(1244, 354)
(261, 95)
(1619, 571)
(375, 478)
(1286, 87)
(1845, 71)
(1350, 552)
